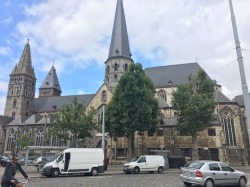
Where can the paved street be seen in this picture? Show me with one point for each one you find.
(114, 177)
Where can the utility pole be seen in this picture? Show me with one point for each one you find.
(241, 67)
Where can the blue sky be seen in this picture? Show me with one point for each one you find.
(76, 35)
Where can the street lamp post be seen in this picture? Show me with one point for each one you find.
(45, 129)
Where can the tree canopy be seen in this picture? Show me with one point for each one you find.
(133, 106)
(194, 105)
(73, 122)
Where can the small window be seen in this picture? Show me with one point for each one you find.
(116, 78)
(104, 96)
(225, 167)
(27, 105)
(13, 115)
(116, 66)
(211, 132)
(14, 103)
(142, 159)
(159, 132)
(150, 133)
(126, 67)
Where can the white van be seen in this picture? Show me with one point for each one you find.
(76, 161)
(145, 163)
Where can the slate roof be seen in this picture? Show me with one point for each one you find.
(32, 119)
(52, 104)
(51, 80)
(172, 75)
(162, 103)
(18, 120)
(119, 46)
(221, 98)
(240, 100)
(5, 120)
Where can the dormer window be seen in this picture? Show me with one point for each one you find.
(169, 82)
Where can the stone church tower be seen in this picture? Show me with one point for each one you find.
(21, 89)
(119, 57)
(50, 86)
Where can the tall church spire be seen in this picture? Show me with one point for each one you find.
(50, 85)
(22, 86)
(119, 57)
(119, 45)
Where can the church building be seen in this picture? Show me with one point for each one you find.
(225, 139)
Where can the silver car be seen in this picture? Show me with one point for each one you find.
(211, 173)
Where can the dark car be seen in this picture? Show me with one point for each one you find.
(4, 160)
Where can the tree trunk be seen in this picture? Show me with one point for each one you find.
(195, 153)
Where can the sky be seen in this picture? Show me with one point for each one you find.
(75, 36)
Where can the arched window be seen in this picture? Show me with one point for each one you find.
(228, 124)
(14, 103)
(162, 94)
(10, 140)
(27, 105)
(39, 136)
(104, 96)
(126, 67)
(116, 66)
(13, 115)
(116, 78)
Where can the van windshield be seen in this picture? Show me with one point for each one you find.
(134, 159)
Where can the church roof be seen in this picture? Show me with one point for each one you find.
(24, 65)
(18, 120)
(240, 100)
(33, 119)
(221, 98)
(172, 75)
(51, 80)
(51, 104)
(162, 103)
(119, 46)
(5, 120)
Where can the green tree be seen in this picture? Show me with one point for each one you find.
(73, 122)
(194, 105)
(133, 107)
(24, 141)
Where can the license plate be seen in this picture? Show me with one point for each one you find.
(187, 173)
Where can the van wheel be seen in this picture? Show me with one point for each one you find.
(160, 170)
(136, 170)
(94, 172)
(55, 173)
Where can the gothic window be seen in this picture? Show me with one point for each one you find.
(26, 114)
(162, 94)
(13, 115)
(228, 125)
(126, 67)
(10, 140)
(27, 105)
(211, 132)
(14, 103)
(116, 78)
(104, 96)
(17, 92)
(116, 66)
(55, 142)
(108, 69)
(39, 137)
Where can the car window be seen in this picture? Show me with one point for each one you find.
(214, 167)
(225, 167)
(195, 165)
(142, 159)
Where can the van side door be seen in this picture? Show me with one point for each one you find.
(142, 163)
(60, 162)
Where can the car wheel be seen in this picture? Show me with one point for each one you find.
(94, 172)
(136, 170)
(187, 183)
(160, 170)
(55, 173)
(242, 182)
(209, 183)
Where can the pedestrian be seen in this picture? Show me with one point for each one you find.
(8, 178)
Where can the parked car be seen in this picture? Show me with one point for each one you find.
(37, 161)
(211, 173)
(176, 161)
(4, 160)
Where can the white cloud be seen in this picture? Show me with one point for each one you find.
(4, 51)
(78, 32)
(7, 20)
